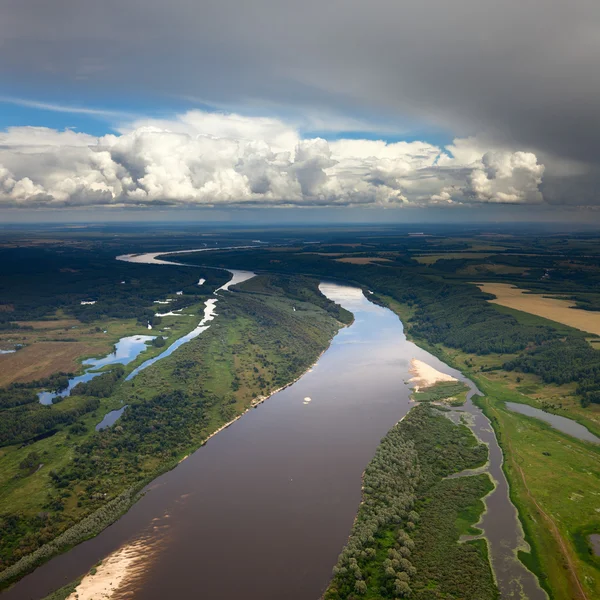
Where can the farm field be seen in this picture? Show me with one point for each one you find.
(429, 259)
(554, 309)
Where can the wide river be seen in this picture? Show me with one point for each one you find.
(262, 511)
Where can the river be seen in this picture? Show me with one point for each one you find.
(262, 511)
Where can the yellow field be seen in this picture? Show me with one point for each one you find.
(561, 311)
(43, 359)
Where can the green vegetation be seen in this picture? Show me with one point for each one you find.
(517, 354)
(38, 282)
(554, 484)
(405, 541)
(34, 421)
(101, 386)
(562, 361)
(453, 393)
(159, 341)
(64, 592)
(454, 313)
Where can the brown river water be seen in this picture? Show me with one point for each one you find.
(262, 511)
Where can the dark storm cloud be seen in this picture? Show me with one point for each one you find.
(527, 73)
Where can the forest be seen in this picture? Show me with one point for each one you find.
(37, 282)
(103, 385)
(64, 482)
(404, 542)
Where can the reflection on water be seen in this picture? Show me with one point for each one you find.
(273, 497)
(236, 277)
(209, 315)
(150, 258)
(110, 418)
(126, 350)
(563, 424)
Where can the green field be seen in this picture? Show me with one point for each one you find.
(555, 484)
(554, 478)
(453, 393)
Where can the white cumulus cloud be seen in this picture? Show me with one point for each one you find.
(211, 159)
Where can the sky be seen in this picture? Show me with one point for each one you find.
(461, 110)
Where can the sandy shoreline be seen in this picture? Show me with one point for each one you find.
(425, 375)
(115, 571)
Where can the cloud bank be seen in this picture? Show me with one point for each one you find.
(213, 159)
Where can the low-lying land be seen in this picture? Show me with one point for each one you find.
(554, 478)
(431, 385)
(406, 538)
(555, 485)
(444, 392)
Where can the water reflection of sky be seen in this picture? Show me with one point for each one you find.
(209, 315)
(563, 424)
(126, 350)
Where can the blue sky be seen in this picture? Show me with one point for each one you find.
(98, 119)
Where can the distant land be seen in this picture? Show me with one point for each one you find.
(345, 412)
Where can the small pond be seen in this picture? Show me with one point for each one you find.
(110, 418)
(126, 350)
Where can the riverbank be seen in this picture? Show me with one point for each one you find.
(554, 484)
(288, 442)
(121, 566)
(115, 571)
(546, 471)
(260, 399)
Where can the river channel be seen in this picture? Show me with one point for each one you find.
(262, 511)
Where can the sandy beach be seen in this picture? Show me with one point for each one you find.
(113, 573)
(425, 375)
